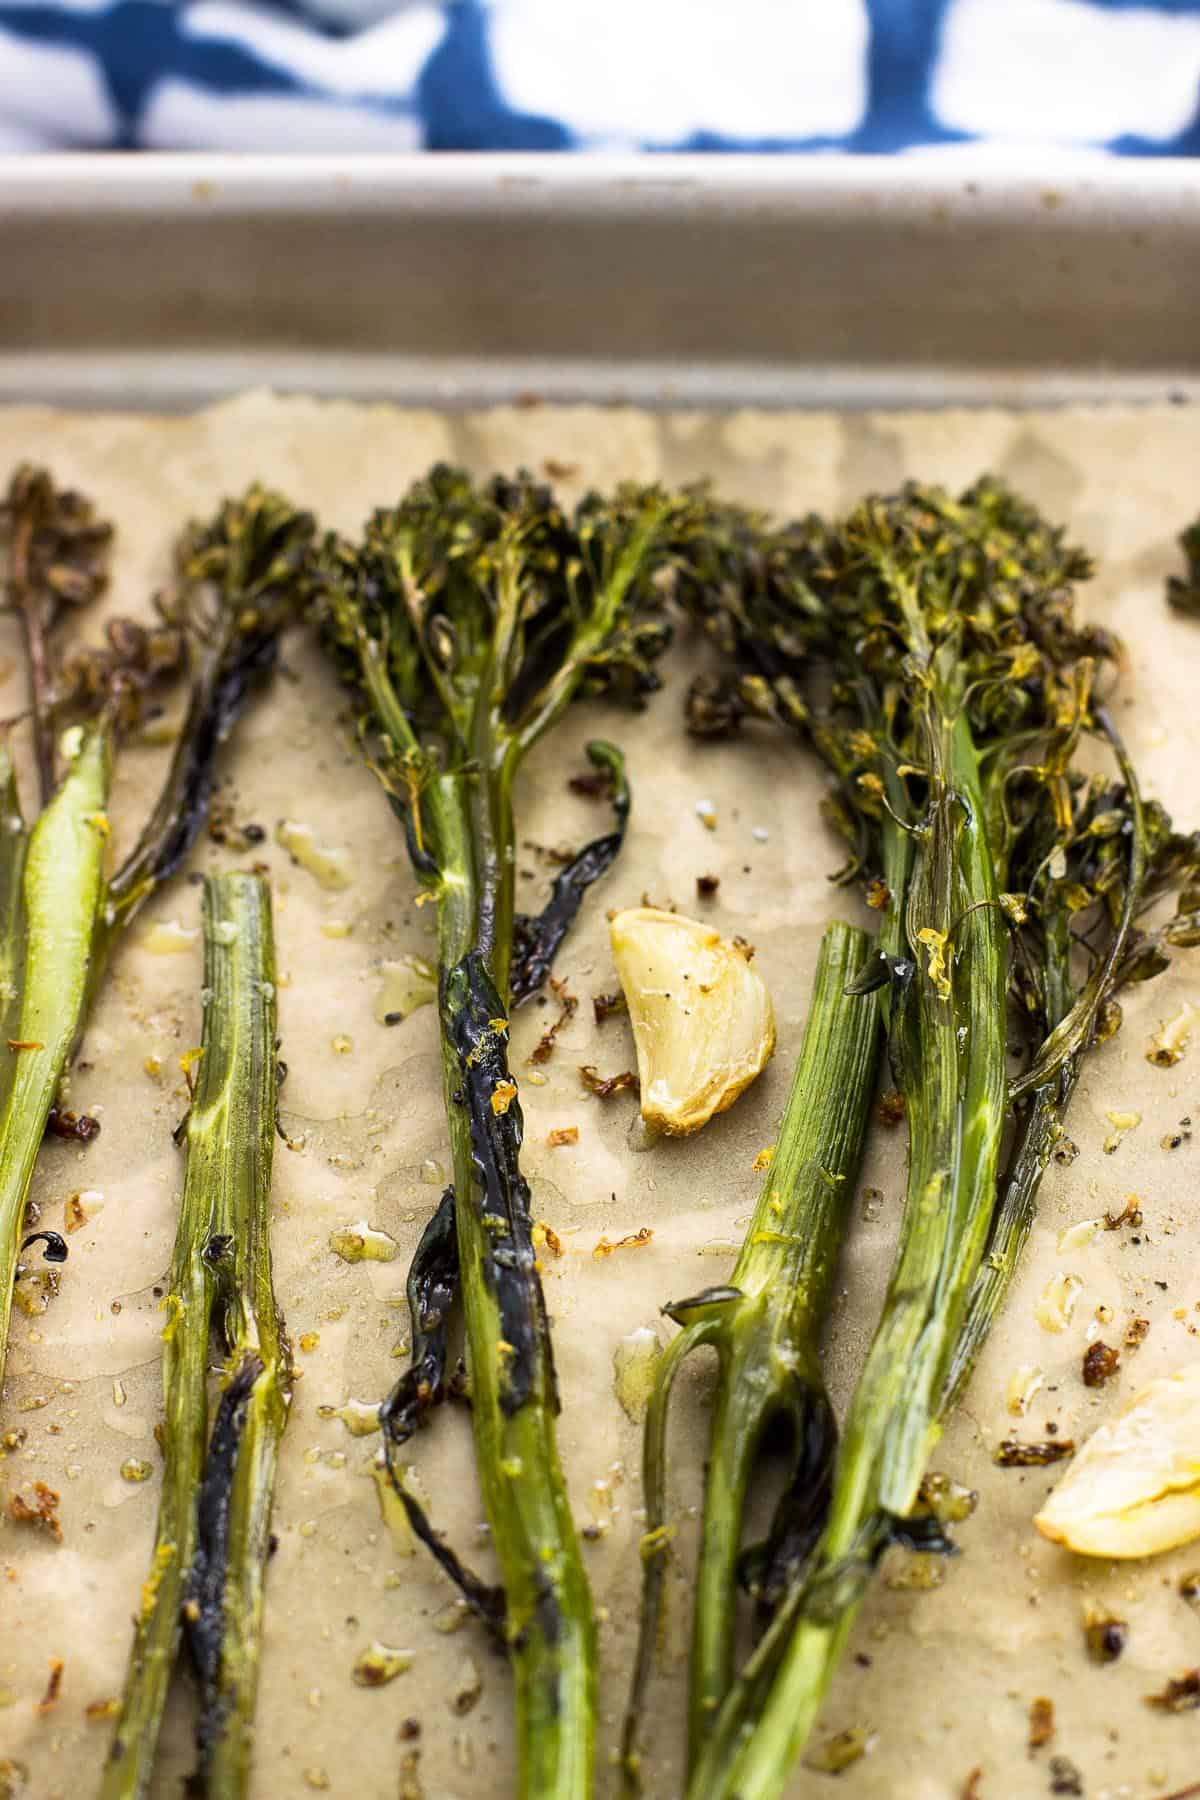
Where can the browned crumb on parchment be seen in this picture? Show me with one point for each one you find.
(1100, 1362)
(1012, 1454)
(633, 1240)
(1181, 1693)
(1041, 1722)
(49, 1699)
(37, 1505)
(605, 1086)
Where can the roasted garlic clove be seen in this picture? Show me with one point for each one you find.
(1134, 1488)
(701, 1015)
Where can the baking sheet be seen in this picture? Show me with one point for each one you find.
(942, 1679)
(163, 282)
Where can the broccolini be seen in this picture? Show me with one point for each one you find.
(467, 619)
(927, 649)
(211, 1543)
(238, 581)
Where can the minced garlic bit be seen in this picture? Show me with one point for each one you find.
(1023, 1384)
(466, 1688)
(360, 1417)
(635, 1366)
(81, 1207)
(407, 982)
(837, 1753)
(1171, 1039)
(702, 1020)
(1057, 1302)
(1134, 1488)
(1122, 1123)
(168, 937)
(332, 868)
(1076, 1236)
(363, 1242)
(378, 1664)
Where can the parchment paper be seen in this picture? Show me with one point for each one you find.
(943, 1679)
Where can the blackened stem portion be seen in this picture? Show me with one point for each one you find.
(536, 939)
(431, 1288)
(228, 672)
(474, 1022)
(548, 1620)
(204, 1589)
(486, 1602)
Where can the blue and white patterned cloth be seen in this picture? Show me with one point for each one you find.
(866, 75)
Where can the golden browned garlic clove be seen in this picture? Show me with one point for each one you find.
(701, 1016)
(1134, 1488)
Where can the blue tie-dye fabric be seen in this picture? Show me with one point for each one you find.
(787, 75)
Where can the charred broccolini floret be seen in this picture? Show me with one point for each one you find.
(927, 649)
(239, 579)
(467, 619)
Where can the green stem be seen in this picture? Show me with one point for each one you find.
(950, 1053)
(549, 1622)
(766, 1326)
(220, 1275)
(771, 1337)
(14, 849)
(241, 977)
(62, 894)
(657, 1536)
(1071, 1023)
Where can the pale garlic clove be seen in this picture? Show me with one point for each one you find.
(1134, 1488)
(702, 1020)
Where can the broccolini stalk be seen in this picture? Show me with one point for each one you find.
(765, 1326)
(927, 649)
(57, 918)
(239, 580)
(468, 619)
(211, 1542)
